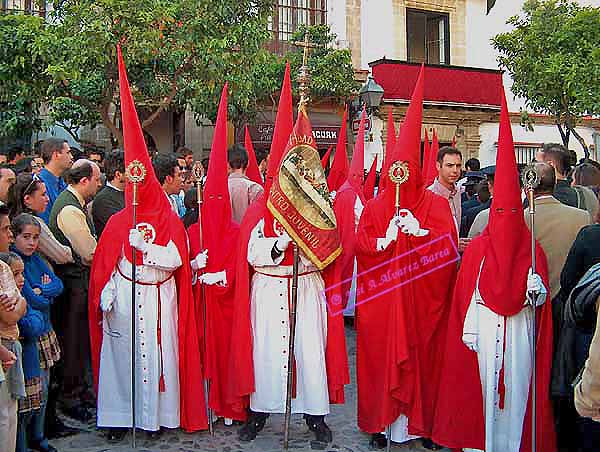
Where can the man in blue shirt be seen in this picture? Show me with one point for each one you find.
(57, 159)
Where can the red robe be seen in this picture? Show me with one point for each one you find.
(106, 258)
(459, 417)
(219, 311)
(241, 364)
(338, 275)
(400, 328)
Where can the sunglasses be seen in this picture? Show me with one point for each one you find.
(31, 185)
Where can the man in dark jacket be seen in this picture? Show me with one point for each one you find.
(111, 198)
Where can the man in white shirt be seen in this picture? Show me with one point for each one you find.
(169, 175)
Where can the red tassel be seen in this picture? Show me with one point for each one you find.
(161, 384)
(501, 389)
(501, 383)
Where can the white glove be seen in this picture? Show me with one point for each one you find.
(409, 225)
(535, 286)
(471, 340)
(283, 241)
(332, 195)
(106, 304)
(391, 234)
(136, 240)
(210, 279)
(199, 262)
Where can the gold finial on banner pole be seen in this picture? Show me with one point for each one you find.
(304, 74)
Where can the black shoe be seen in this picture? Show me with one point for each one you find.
(57, 429)
(428, 444)
(154, 435)
(79, 413)
(115, 435)
(378, 441)
(317, 425)
(41, 447)
(254, 424)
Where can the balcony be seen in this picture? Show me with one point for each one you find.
(452, 86)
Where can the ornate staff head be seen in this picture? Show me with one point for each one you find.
(135, 173)
(530, 178)
(198, 174)
(399, 174)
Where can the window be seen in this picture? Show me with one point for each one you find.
(525, 152)
(428, 37)
(289, 15)
(23, 6)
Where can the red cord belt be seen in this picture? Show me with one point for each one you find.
(161, 380)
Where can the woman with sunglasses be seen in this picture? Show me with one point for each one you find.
(28, 195)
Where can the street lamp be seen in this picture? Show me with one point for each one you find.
(371, 93)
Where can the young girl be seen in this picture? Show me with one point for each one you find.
(40, 288)
(28, 195)
(12, 384)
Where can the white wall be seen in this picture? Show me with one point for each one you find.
(481, 28)
(336, 18)
(377, 31)
(541, 134)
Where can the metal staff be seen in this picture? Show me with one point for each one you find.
(198, 173)
(292, 335)
(530, 182)
(135, 174)
(398, 174)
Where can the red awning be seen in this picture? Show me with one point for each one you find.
(443, 84)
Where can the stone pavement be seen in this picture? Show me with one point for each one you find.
(342, 421)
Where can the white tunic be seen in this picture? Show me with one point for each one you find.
(485, 328)
(153, 409)
(270, 330)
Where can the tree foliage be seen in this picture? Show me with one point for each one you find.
(179, 53)
(553, 56)
(22, 81)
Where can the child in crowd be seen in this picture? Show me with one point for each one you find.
(40, 346)
(12, 384)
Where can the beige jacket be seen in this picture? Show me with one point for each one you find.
(556, 227)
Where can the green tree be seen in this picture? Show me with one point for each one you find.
(178, 53)
(553, 56)
(22, 81)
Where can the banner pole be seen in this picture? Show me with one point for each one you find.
(135, 173)
(198, 173)
(292, 335)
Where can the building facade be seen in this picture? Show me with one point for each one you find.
(452, 37)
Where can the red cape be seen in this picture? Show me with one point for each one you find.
(459, 417)
(106, 258)
(219, 312)
(338, 275)
(400, 328)
(241, 364)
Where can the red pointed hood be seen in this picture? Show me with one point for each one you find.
(390, 143)
(369, 188)
(339, 168)
(431, 172)
(284, 124)
(216, 208)
(252, 172)
(407, 150)
(151, 196)
(356, 174)
(508, 258)
(325, 159)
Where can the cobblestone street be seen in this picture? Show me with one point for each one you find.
(342, 421)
